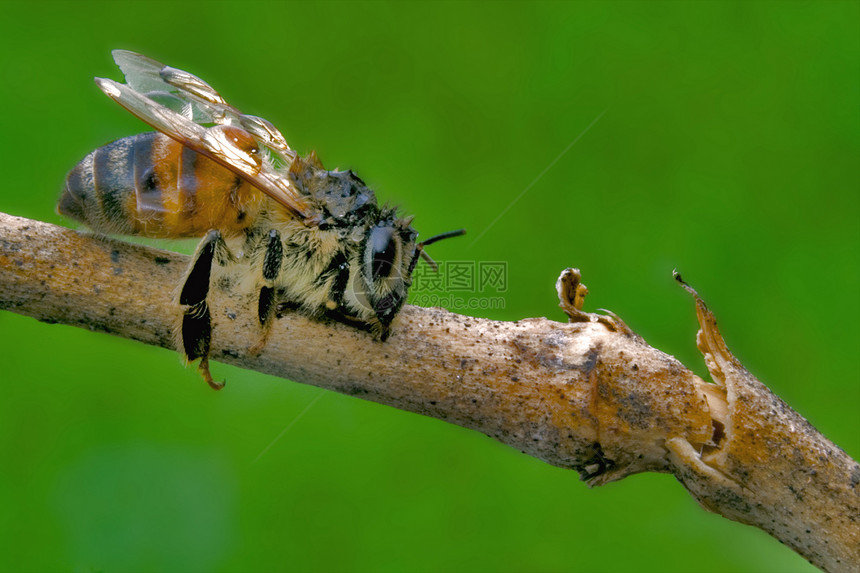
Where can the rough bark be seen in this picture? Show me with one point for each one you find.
(589, 395)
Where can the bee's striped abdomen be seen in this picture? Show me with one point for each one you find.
(101, 205)
(151, 185)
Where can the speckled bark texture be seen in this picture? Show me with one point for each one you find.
(772, 469)
(589, 395)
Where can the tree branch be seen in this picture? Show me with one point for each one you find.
(589, 395)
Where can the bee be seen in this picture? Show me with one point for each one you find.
(274, 224)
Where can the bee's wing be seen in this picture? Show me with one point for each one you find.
(141, 73)
(195, 99)
(187, 109)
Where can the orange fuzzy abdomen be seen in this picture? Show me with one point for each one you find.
(153, 186)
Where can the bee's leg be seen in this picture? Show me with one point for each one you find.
(266, 307)
(197, 321)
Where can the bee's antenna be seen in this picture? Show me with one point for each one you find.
(441, 236)
(434, 239)
(429, 260)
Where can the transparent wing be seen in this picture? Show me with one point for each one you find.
(182, 92)
(188, 110)
(195, 99)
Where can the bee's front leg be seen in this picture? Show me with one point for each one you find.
(266, 307)
(197, 321)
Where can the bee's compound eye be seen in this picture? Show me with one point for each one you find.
(383, 250)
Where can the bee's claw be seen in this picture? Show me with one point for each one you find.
(204, 371)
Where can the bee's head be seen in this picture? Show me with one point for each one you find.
(389, 255)
(386, 268)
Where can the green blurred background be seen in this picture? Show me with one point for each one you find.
(727, 148)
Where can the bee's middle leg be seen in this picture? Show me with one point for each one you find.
(266, 306)
(197, 320)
